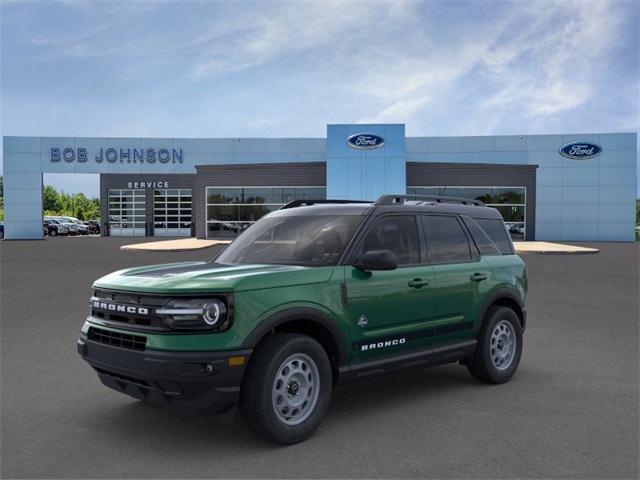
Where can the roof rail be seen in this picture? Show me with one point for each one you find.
(401, 199)
(306, 203)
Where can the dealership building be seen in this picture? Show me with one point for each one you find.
(547, 187)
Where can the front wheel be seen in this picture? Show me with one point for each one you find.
(499, 346)
(287, 388)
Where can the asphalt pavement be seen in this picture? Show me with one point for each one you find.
(571, 411)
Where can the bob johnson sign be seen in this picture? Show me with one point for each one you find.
(116, 155)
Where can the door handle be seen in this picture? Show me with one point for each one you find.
(418, 282)
(478, 277)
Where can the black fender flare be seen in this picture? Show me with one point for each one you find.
(300, 313)
(499, 294)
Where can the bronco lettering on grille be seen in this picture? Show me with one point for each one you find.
(114, 307)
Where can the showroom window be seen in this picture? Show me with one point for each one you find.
(509, 201)
(231, 210)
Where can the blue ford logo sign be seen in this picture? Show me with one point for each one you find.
(580, 150)
(365, 141)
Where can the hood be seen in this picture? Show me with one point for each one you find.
(201, 277)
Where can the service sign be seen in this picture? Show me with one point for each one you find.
(148, 184)
(580, 150)
(365, 141)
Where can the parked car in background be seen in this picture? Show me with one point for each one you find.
(74, 228)
(55, 227)
(1, 230)
(93, 226)
(82, 228)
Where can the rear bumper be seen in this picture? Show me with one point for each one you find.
(199, 381)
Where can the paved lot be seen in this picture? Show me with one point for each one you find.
(571, 411)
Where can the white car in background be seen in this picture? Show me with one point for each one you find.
(54, 227)
(82, 228)
(70, 226)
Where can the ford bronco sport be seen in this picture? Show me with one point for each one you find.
(312, 295)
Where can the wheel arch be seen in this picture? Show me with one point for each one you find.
(307, 321)
(507, 298)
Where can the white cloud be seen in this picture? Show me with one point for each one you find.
(547, 66)
(388, 61)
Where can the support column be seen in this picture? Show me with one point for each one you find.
(22, 177)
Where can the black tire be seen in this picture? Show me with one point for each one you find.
(256, 403)
(482, 365)
(53, 233)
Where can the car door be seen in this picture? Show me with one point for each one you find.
(461, 276)
(386, 308)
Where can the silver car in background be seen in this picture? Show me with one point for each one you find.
(82, 228)
(71, 227)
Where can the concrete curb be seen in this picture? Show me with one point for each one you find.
(181, 245)
(549, 248)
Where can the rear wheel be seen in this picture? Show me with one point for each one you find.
(287, 388)
(53, 233)
(499, 346)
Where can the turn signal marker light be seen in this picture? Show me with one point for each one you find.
(236, 361)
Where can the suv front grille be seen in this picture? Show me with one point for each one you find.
(131, 310)
(117, 339)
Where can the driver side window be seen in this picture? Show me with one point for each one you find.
(397, 233)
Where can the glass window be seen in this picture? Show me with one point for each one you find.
(316, 240)
(262, 195)
(222, 213)
(126, 208)
(516, 230)
(511, 213)
(446, 240)
(398, 234)
(224, 195)
(481, 238)
(498, 233)
(225, 229)
(507, 195)
(509, 201)
(251, 213)
(249, 204)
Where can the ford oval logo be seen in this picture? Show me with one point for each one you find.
(580, 150)
(365, 141)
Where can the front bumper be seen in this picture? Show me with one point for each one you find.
(199, 381)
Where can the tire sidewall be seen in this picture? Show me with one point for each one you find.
(295, 433)
(496, 315)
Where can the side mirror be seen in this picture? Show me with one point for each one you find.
(377, 260)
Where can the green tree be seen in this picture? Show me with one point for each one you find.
(50, 199)
(77, 205)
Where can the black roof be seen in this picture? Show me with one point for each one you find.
(383, 204)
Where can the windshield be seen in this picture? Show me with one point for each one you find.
(314, 241)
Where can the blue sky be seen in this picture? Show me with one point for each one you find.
(272, 69)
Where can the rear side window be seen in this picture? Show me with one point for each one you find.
(484, 243)
(446, 240)
(498, 233)
(398, 234)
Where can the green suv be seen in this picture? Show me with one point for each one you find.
(315, 294)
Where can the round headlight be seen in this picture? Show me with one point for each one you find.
(194, 314)
(212, 313)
